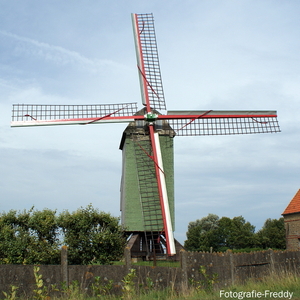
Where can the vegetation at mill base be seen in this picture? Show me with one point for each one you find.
(91, 236)
(35, 237)
(220, 234)
(96, 237)
(273, 283)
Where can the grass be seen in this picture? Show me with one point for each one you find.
(272, 283)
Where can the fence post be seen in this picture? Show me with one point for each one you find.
(127, 258)
(183, 265)
(231, 262)
(64, 264)
(272, 266)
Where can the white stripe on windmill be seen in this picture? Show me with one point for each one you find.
(147, 192)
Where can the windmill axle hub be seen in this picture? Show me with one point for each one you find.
(151, 117)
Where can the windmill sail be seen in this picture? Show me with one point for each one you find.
(191, 123)
(153, 98)
(39, 115)
(168, 229)
(153, 223)
(147, 61)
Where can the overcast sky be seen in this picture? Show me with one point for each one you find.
(226, 55)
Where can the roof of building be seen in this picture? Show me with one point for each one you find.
(294, 205)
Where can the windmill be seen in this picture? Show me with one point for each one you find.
(147, 187)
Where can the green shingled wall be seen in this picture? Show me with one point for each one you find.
(132, 217)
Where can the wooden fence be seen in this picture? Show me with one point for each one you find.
(231, 268)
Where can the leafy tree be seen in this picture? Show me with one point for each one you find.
(44, 224)
(236, 233)
(28, 237)
(35, 237)
(272, 234)
(220, 234)
(92, 236)
(207, 223)
(203, 234)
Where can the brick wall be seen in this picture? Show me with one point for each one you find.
(292, 229)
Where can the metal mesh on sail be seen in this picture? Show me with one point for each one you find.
(28, 112)
(145, 23)
(224, 126)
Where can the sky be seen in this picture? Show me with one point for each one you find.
(214, 55)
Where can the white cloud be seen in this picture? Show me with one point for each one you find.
(55, 54)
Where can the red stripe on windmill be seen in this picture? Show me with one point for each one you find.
(147, 186)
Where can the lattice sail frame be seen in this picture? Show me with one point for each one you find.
(147, 61)
(35, 114)
(182, 123)
(223, 122)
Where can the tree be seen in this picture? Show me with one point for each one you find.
(29, 237)
(272, 234)
(207, 223)
(236, 233)
(220, 234)
(35, 237)
(91, 236)
(203, 234)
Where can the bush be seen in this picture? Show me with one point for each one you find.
(92, 236)
(35, 237)
(29, 237)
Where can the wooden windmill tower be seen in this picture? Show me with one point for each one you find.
(147, 188)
